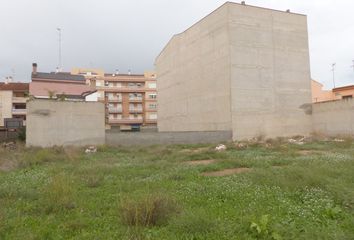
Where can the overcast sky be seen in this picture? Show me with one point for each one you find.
(129, 34)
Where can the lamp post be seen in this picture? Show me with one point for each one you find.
(60, 60)
(333, 70)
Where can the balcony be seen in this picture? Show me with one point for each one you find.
(125, 121)
(19, 100)
(135, 110)
(115, 110)
(19, 111)
(114, 100)
(135, 99)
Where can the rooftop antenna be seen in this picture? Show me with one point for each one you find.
(60, 60)
(13, 73)
(334, 70)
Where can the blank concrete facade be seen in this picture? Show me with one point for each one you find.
(62, 123)
(243, 69)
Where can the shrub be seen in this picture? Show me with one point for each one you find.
(148, 211)
(22, 134)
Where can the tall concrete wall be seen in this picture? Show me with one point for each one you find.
(56, 123)
(193, 78)
(242, 68)
(334, 118)
(270, 72)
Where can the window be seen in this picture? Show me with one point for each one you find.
(153, 116)
(152, 85)
(347, 97)
(152, 106)
(152, 96)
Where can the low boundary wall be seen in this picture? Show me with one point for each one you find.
(334, 118)
(167, 138)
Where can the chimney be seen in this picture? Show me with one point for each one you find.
(288, 11)
(129, 72)
(117, 72)
(6, 80)
(34, 68)
(243, 3)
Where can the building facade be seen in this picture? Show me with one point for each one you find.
(13, 100)
(58, 85)
(320, 95)
(131, 99)
(242, 69)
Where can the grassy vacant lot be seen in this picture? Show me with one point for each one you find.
(288, 192)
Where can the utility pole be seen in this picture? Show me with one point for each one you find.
(333, 70)
(60, 60)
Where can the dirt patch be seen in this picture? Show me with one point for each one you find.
(7, 166)
(197, 150)
(200, 162)
(309, 152)
(227, 172)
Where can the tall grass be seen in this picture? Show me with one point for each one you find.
(148, 211)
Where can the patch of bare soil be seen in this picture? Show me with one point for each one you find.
(7, 166)
(197, 150)
(227, 172)
(200, 162)
(309, 152)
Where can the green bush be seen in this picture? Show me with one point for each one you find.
(22, 134)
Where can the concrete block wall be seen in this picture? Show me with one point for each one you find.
(334, 118)
(61, 123)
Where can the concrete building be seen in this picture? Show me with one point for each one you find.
(242, 69)
(13, 98)
(320, 95)
(130, 99)
(60, 85)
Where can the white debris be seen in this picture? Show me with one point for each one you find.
(220, 148)
(91, 149)
(241, 145)
(298, 142)
(339, 140)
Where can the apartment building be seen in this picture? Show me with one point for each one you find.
(131, 99)
(320, 95)
(13, 98)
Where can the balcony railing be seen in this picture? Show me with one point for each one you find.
(125, 121)
(115, 110)
(114, 99)
(19, 111)
(19, 100)
(135, 110)
(136, 99)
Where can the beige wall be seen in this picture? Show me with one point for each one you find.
(334, 118)
(5, 106)
(194, 78)
(270, 72)
(56, 123)
(241, 68)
